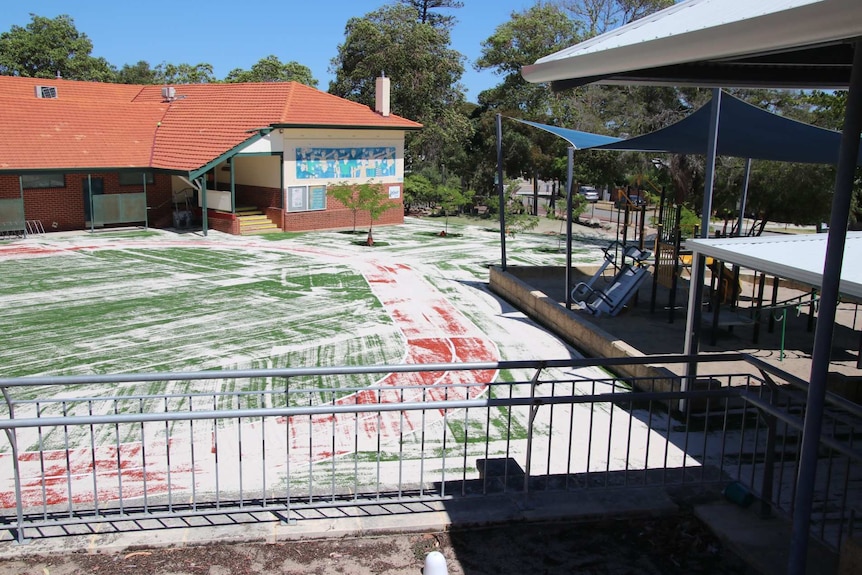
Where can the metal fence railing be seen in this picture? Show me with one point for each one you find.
(107, 449)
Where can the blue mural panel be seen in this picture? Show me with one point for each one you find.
(345, 163)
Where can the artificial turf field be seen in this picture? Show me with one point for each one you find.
(153, 301)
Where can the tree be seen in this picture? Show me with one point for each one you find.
(373, 199)
(417, 189)
(346, 195)
(47, 48)
(424, 72)
(369, 197)
(140, 73)
(451, 199)
(185, 73)
(599, 16)
(423, 8)
(271, 69)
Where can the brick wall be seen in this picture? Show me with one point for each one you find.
(9, 187)
(62, 209)
(337, 216)
(220, 221)
(259, 197)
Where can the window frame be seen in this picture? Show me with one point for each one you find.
(47, 176)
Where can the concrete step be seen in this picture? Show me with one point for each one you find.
(252, 219)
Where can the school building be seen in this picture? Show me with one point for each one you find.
(236, 158)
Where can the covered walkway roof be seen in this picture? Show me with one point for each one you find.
(720, 43)
(797, 257)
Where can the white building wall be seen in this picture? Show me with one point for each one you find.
(255, 171)
(373, 149)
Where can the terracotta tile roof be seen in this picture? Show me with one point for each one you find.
(93, 125)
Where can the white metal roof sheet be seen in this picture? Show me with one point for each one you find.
(699, 30)
(798, 257)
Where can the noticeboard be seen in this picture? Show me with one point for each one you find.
(305, 198)
(316, 197)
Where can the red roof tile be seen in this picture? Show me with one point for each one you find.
(93, 125)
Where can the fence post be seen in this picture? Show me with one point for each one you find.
(13, 442)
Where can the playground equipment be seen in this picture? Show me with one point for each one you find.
(621, 288)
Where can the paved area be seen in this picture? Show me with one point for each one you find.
(786, 341)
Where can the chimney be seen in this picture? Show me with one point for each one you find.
(381, 95)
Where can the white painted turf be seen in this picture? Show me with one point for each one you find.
(435, 280)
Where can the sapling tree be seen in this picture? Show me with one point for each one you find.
(368, 197)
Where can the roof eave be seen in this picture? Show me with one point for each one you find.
(347, 126)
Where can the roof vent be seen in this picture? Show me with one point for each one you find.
(46, 91)
(169, 93)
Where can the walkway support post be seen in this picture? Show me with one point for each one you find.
(820, 356)
(746, 178)
(570, 154)
(698, 268)
(500, 188)
(203, 189)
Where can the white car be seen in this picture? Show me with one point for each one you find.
(590, 193)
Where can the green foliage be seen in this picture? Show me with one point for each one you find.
(688, 220)
(517, 219)
(599, 16)
(417, 190)
(451, 199)
(47, 47)
(271, 69)
(424, 72)
(140, 73)
(185, 73)
(368, 197)
(423, 10)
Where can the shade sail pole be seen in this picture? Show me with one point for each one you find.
(744, 198)
(500, 192)
(820, 356)
(692, 326)
(569, 171)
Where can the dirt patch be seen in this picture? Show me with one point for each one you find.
(676, 544)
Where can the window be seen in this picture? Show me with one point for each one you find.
(46, 92)
(47, 180)
(135, 178)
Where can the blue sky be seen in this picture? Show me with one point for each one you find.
(232, 34)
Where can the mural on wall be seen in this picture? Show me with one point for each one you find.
(345, 163)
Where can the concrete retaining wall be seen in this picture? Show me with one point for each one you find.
(567, 324)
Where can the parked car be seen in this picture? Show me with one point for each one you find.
(590, 193)
(638, 200)
(633, 201)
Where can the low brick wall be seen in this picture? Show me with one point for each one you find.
(567, 324)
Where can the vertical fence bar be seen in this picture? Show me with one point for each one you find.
(68, 461)
(466, 444)
(333, 451)
(214, 450)
(144, 457)
(42, 481)
(263, 451)
(401, 446)
(422, 449)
